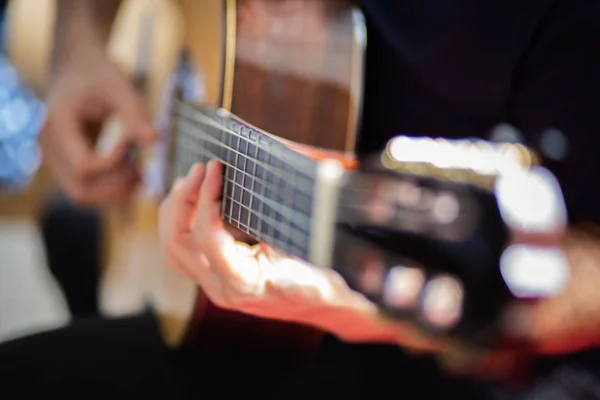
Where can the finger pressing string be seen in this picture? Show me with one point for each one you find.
(209, 204)
(226, 257)
(182, 251)
(185, 196)
(194, 181)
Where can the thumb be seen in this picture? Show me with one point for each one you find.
(132, 111)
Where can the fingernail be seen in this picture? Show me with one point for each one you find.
(213, 164)
(193, 169)
(177, 182)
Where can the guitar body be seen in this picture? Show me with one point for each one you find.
(292, 68)
(272, 89)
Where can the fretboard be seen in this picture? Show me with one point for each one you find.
(268, 188)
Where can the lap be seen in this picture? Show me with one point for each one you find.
(375, 372)
(97, 358)
(125, 358)
(92, 358)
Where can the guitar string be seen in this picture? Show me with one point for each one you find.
(219, 126)
(200, 117)
(192, 133)
(247, 141)
(289, 227)
(243, 186)
(291, 176)
(291, 239)
(284, 210)
(236, 155)
(198, 150)
(285, 229)
(288, 242)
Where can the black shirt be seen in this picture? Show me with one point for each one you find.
(457, 68)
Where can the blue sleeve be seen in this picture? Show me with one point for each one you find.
(21, 119)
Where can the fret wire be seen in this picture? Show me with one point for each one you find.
(270, 228)
(261, 206)
(274, 205)
(230, 181)
(232, 172)
(203, 140)
(243, 185)
(253, 177)
(219, 156)
(282, 224)
(199, 149)
(292, 200)
(264, 199)
(267, 220)
(293, 249)
(285, 243)
(214, 124)
(235, 163)
(290, 210)
(200, 117)
(226, 174)
(205, 120)
(263, 164)
(226, 164)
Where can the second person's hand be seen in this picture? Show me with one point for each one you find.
(87, 90)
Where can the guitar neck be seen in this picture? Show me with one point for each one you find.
(268, 188)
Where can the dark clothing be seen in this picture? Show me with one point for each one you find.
(120, 359)
(458, 68)
(124, 359)
(436, 68)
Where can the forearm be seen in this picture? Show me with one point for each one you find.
(81, 25)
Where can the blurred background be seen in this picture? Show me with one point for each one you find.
(30, 300)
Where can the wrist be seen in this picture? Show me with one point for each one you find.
(82, 29)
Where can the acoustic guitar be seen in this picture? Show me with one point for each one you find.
(273, 89)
